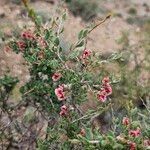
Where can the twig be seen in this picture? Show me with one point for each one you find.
(101, 22)
(145, 105)
(28, 92)
(98, 24)
(76, 141)
(84, 117)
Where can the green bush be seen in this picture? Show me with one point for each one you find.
(60, 81)
(87, 9)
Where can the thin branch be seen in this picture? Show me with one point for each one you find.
(101, 22)
(28, 92)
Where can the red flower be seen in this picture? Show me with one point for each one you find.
(56, 76)
(132, 145)
(135, 133)
(64, 110)
(21, 45)
(82, 132)
(60, 93)
(86, 54)
(125, 121)
(102, 96)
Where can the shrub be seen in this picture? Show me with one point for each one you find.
(60, 81)
(132, 11)
(7, 83)
(87, 9)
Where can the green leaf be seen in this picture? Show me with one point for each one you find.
(89, 134)
(118, 146)
(47, 34)
(85, 33)
(80, 44)
(103, 143)
(74, 54)
(82, 34)
(134, 111)
(56, 41)
(111, 139)
(54, 63)
(64, 16)
(135, 124)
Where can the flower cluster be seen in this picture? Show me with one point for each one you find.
(28, 35)
(105, 91)
(42, 43)
(135, 133)
(131, 133)
(21, 45)
(60, 93)
(56, 76)
(64, 110)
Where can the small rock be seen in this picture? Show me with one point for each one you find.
(29, 116)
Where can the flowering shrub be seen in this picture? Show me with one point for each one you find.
(60, 81)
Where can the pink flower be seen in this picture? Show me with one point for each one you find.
(132, 145)
(105, 91)
(86, 54)
(105, 80)
(21, 45)
(147, 142)
(28, 35)
(125, 121)
(82, 132)
(108, 89)
(7, 49)
(135, 133)
(60, 93)
(106, 86)
(102, 96)
(64, 110)
(63, 113)
(56, 76)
